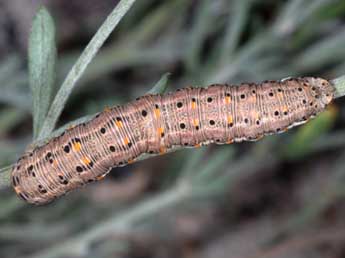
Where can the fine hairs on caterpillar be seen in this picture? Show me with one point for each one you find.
(155, 123)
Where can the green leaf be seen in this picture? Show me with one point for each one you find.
(42, 60)
(161, 86)
(82, 63)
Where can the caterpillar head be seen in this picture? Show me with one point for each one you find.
(322, 90)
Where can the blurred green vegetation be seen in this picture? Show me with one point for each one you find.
(188, 202)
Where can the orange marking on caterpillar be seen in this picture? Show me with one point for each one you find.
(118, 123)
(157, 112)
(230, 141)
(162, 150)
(280, 95)
(195, 122)
(227, 100)
(107, 109)
(86, 160)
(100, 177)
(76, 146)
(259, 137)
(70, 127)
(160, 131)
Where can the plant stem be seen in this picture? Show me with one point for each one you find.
(339, 85)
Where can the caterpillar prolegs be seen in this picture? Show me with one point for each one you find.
(156, 123)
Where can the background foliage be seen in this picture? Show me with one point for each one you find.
(209, 202)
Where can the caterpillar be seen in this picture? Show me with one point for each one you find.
(155, 123)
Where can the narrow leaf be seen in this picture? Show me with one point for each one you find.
(42, 59)
(161, 86)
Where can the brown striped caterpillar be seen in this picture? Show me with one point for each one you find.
(156, 123)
